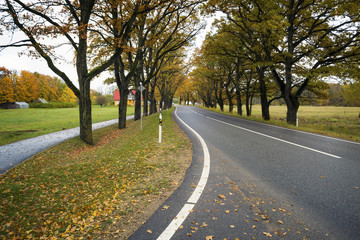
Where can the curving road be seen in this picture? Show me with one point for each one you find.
(264, 182)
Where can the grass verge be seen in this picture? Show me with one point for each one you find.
(339, 122)
(19, 124)
(103, 191)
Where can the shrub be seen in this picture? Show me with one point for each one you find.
(53, 105)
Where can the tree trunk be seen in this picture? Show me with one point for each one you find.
(229, 97)
(137, 104)
(123, 107)
(85, 113)
(238, 103)
(146, 96)
(237, 87)
(247, 97)
(292, 104)
(263, 94)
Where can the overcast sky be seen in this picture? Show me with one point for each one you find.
(10, 59)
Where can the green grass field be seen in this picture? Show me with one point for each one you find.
(77, 191)
(341, 122)
(19, 124)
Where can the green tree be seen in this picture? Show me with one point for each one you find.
(318, 36)
(352, 94)
(101, 100)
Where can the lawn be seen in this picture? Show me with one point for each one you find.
(19, 124)
(340, 122)
(105, 191)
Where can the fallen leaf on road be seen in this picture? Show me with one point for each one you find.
(227, 211)
(280, 222)
(221, 196)
(149, 231)
(253, 227)
(267, 234)
(232, 226)
(204, 224)
(209, 237)
(165, 207)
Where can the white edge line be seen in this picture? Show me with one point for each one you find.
(278, 139)
(184, 212)
(290, 129)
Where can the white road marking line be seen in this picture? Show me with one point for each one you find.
(289, 129)
(278, 139)
(184, 212)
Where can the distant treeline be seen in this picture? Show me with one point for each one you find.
(27, 87)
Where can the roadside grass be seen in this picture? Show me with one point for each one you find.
(19, 124)
(105, 191)
(339, 122)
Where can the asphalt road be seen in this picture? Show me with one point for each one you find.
(17, 152)
(264, 182)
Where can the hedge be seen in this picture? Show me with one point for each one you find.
(53, 105)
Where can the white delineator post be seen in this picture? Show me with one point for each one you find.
(141, 88)
(160, 126)
(297, 120)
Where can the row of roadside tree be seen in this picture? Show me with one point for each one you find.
(137, 41)
(278, 51)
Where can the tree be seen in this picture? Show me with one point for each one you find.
(26, 87)
(7, 93)
(299, 42)
(170, 76)
(66, 23)
(255, 26)
(67, 96)
(101, 100)
(318, 35)
(352, 94)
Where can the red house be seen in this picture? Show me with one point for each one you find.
(131, 97)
